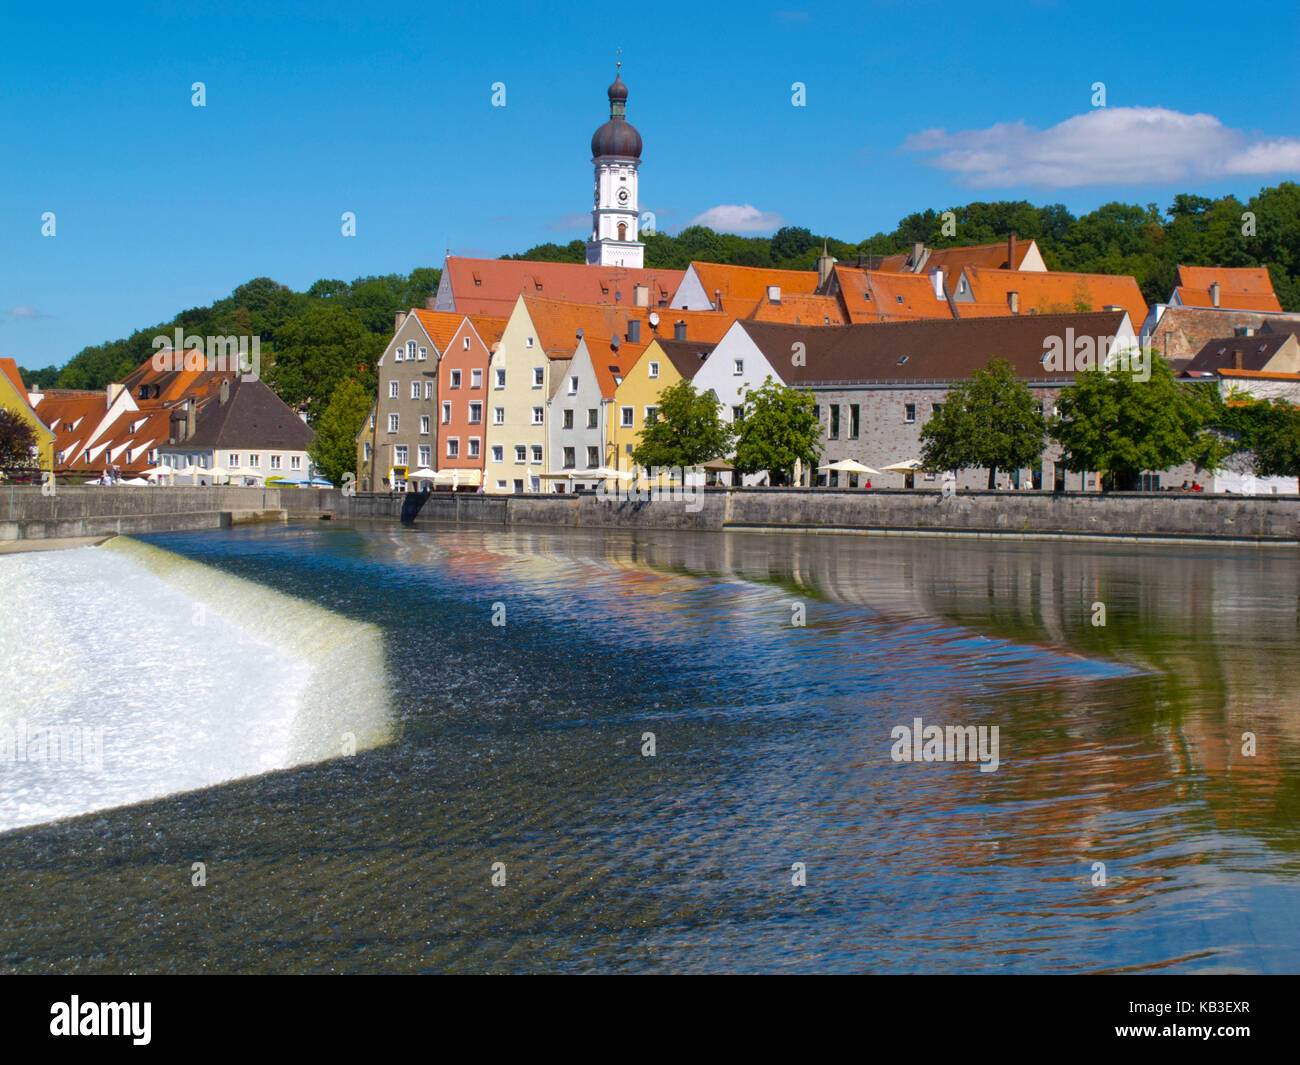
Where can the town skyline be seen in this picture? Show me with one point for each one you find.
(258, 211)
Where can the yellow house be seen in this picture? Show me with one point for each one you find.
(636, 400)
(13, 397)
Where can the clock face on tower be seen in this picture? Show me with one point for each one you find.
(622, 197)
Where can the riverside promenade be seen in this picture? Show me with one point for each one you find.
(82, 513)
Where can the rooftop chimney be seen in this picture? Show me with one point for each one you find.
(773, 293)
(679, 330)
(717, 299)
(825, 265)
(918, 249)
(191, 416)
(397, 322)
(1214, 293)
(1013, 302)
(634, 331)
(1011, 251)
(431, 304)
(640, 296)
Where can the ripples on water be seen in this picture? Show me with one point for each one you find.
(521, 744)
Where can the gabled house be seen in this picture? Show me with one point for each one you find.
(1023, 292)
(13, 398)
(1010, 254)
(661, 365)
(465, 391)
(883, 296)
(405, 417)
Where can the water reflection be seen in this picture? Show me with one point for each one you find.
(521, 743)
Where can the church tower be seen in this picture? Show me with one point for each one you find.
(616, 154)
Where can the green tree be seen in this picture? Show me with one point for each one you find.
(687, 431)
(1119, 426)
(778, 427)
(316, 352)
(1275, 439)
(334, 449)
(17, 442)
(991, 421)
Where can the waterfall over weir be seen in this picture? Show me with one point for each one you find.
(128, 673)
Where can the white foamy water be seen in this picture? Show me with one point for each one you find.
(128, 673)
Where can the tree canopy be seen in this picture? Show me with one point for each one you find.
(687, 431)
(778, 427)
(334, 450)
(991, 421)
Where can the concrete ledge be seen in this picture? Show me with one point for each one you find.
(114, 526)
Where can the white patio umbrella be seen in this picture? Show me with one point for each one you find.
(850, 466)
(909, 466)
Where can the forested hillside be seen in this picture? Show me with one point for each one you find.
(335, 330)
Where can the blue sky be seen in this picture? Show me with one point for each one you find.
(320, 108)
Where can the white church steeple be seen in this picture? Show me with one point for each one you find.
(616, 154)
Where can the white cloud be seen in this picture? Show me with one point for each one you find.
(27, 312)
(1108, 145)
(732, 218)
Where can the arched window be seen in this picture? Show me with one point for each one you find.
(622, 231)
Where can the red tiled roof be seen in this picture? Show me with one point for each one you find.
(10, 369)
(881, 296)
(557, 323)
(491, 286)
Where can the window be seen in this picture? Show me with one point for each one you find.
(737, 414)
(428, 390)
(234, 460)
(528, 343)
(372, 419)
(573, 385)
(254, 460)
(909, 412)
(651, 415)
(568, 418)
(475, 443)
(410, 349)
(855, 422)
(295, 461)
(426, 454)
(738, 367)
(476, 379)
(521, 453)
(399, 455)
(392, 423)
(568, 458)
(455, 379)
(446, 412)
(539, 377)
(498, 416)
(501, 485)
(498, 453)
(501, 378)
(538, 415)
(393, 387)
(476, 413)
(453, 447)
(397, 353)
(467, 343)
(835, 421)
(537, 452)
(593, 415)
(593, 457)
(366, 445)
(654, 369)
(415, 389)
(424, 354)
(626, 417)
(424, 425)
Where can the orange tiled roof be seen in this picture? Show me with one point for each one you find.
(10, 369)
(952, 260)
(491, 286)
(489, 327)
(1243, 288)
(751, 282)
(880, 296)
(557, 323)
(440, 325)
(1055, 293)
